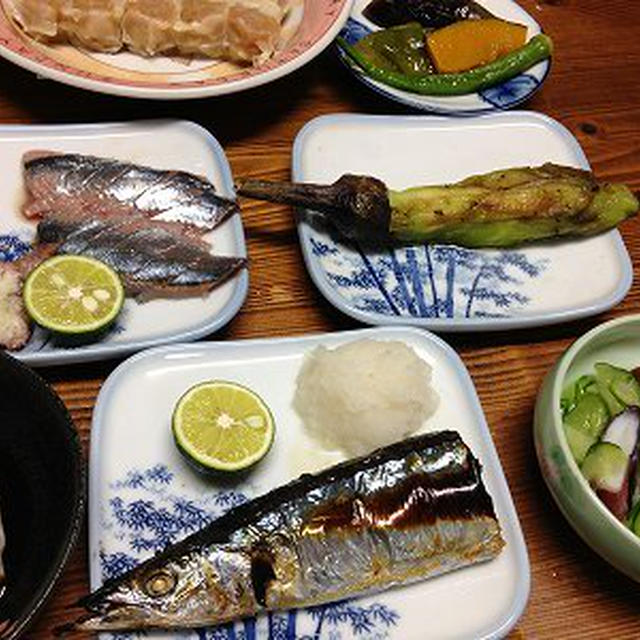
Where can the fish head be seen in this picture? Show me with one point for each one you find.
(195, 590)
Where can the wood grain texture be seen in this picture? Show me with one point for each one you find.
(593, 89)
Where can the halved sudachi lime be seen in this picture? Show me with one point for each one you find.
(222, 426)
(73, 294)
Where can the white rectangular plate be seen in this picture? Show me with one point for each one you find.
(159, 144)
(143, 495)
(443, 287)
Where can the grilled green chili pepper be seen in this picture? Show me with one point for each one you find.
(538, 48)
(398, 49)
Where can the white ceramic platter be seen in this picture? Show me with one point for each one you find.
(159, 144)
(310, 26)
(503, 96)
(443, 287)
(143, 495)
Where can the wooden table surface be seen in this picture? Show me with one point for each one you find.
(593, 89)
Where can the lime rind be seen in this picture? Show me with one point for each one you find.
(32, 291)
(210, 463)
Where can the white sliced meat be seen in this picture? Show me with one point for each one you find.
(247, 30)
(148, 26)
(92, 24)
(39, 19)
(237, 30)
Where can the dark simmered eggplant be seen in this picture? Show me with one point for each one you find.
(431, 14)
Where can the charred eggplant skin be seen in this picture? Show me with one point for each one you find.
(429, 13)
(357, 205)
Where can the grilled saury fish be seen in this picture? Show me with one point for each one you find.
(404, 513)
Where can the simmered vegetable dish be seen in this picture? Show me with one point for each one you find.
(443, 47)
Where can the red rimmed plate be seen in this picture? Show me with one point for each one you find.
(313, 24)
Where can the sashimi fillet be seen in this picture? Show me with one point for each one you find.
(154, 260)
(81, 185)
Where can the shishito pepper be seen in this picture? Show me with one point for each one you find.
(498, 209)
(537, 49)
(397, 49)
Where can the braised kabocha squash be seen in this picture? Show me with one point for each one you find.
(472, 43)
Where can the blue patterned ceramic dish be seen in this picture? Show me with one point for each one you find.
(143, 495)
(163, 144)
(443, 287)
(506, 95)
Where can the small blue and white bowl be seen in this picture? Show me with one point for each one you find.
(506, 95)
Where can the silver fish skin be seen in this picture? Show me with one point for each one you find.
(405, 513)
(153, 259)
(78, 185)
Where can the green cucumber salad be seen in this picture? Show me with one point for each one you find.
(601, 420)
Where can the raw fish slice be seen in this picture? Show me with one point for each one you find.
(38, 18)
(76, 185)
(153, 259)
(93, 24)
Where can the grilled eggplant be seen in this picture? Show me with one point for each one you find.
(502, 208)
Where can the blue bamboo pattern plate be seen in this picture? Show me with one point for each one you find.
(445, 287)
(148, 509)
(506, 95)
(428, 281)
(144, 496)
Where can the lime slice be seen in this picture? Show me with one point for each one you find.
(73, 294)
(222, 426)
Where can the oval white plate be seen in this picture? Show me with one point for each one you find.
(143, 495)
(160, 144)
(443, 287)
(314, 24)
(503, 96)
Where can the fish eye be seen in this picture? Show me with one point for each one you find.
(159, 583)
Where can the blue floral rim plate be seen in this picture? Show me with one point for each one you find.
(444, 287)
(506, 95)
(143, 495)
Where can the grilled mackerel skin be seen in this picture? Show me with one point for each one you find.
(78, 185)
(404, 513)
